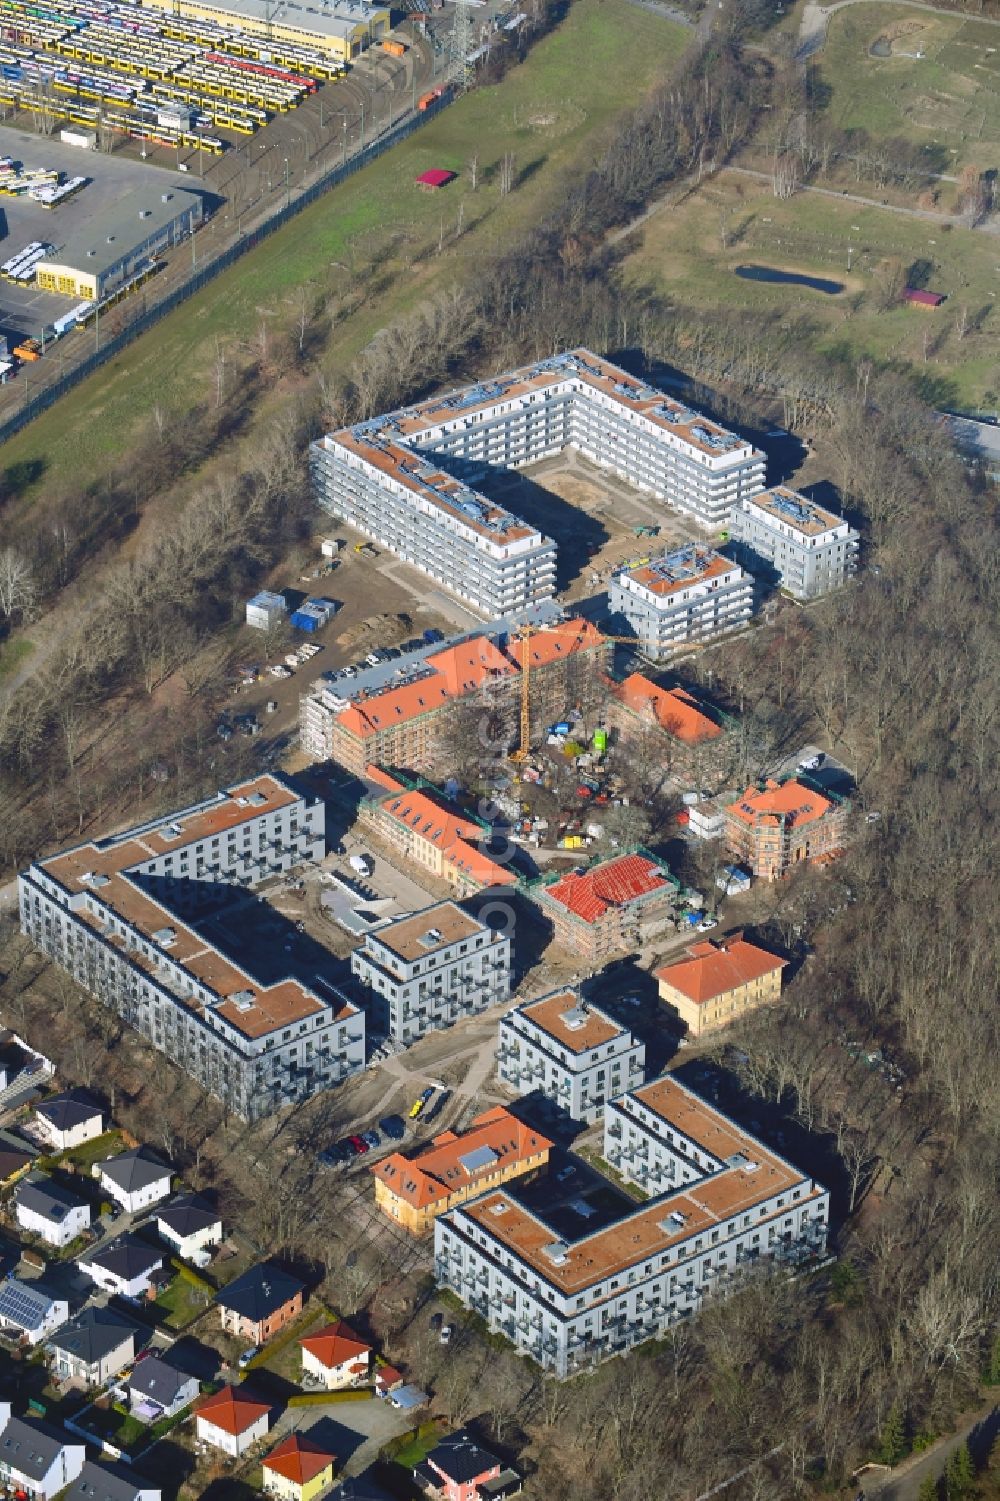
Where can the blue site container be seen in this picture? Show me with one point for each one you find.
(303, 621)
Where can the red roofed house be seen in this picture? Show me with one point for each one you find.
(775, 826)
(408, 725)
(720, 981)
(610, 908)
(456, 1166)
(436, 177)
(693, 741)
(231, 1420)
(336, 1357)
(431, 831)
(919, 298)
(297, 1469)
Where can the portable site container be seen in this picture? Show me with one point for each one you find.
(265, 610)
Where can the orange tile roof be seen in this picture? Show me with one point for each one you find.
(438, 1171)
(463, 669)
(791, 801)
(336, 1343)
(299, 1459)
(457, 837)
(556, 642)
(232, 1410)
(614, 883)
(712, 969)
(662, 580)
(467, 665)
(674, 709)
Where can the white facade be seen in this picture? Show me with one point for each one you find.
(113, 913)
(405, 478)
(195, 1244)
(689, 595)
(233, 1444)
(569, 1050)
(55, 1232)
(135, 1286)
(572, 1304)
(336, 1377)
(793, 542)
(27, 1312)
(428, 970)
(138, 1198)
(34, 1460)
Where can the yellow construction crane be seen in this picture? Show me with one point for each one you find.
(525, 634)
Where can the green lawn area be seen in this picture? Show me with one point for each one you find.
(682, 255)
(949, 96)
(181, 1303)
(418, 1445)
(84, 1157)
(13, 653)
(551, 112)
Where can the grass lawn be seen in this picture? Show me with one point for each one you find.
(83, 1157)
(418, 1446)
(948, 97)
(181, 1303)
(551, 112)
(13, 653)
(682, 255)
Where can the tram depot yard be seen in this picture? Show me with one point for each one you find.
(25, 309)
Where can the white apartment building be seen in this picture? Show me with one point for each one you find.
(571, 1304)
(690, 594)
(569, 1050)
(115, 913)
(428, 970)
(793, 542)
(406, 478)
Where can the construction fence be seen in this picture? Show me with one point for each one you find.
(202, 275)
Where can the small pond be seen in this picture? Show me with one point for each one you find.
(790, 278)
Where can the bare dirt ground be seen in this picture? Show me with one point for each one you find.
(593, 517)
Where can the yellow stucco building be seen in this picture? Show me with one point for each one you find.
(340, 30)
(297, 1469)
(456, 1166)
(719, 982)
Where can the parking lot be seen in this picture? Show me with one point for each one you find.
(25, 310)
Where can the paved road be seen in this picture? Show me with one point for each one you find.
(816, 19)
(980, 1431)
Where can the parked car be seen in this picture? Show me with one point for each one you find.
(393, 1126)
(358, 1145)
(565, 1173)
(811, 763)
(437, 1319)
(247, 1356)
(707, 923)
(371, 1138)
(433, 635)
(446, 1332)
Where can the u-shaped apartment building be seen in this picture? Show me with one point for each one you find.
(721, 1203)
(407, 478)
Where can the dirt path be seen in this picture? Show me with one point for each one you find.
(816, 19)
(989, 226)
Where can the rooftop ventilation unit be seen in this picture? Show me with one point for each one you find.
(557, 1252)
(674, 1222)
(575, 1018)
(165, 937)
(740, 1160)
(501, 1207)
(242, 999)
(431, 937)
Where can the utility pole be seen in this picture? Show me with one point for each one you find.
(460, 45)
(288, 189)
